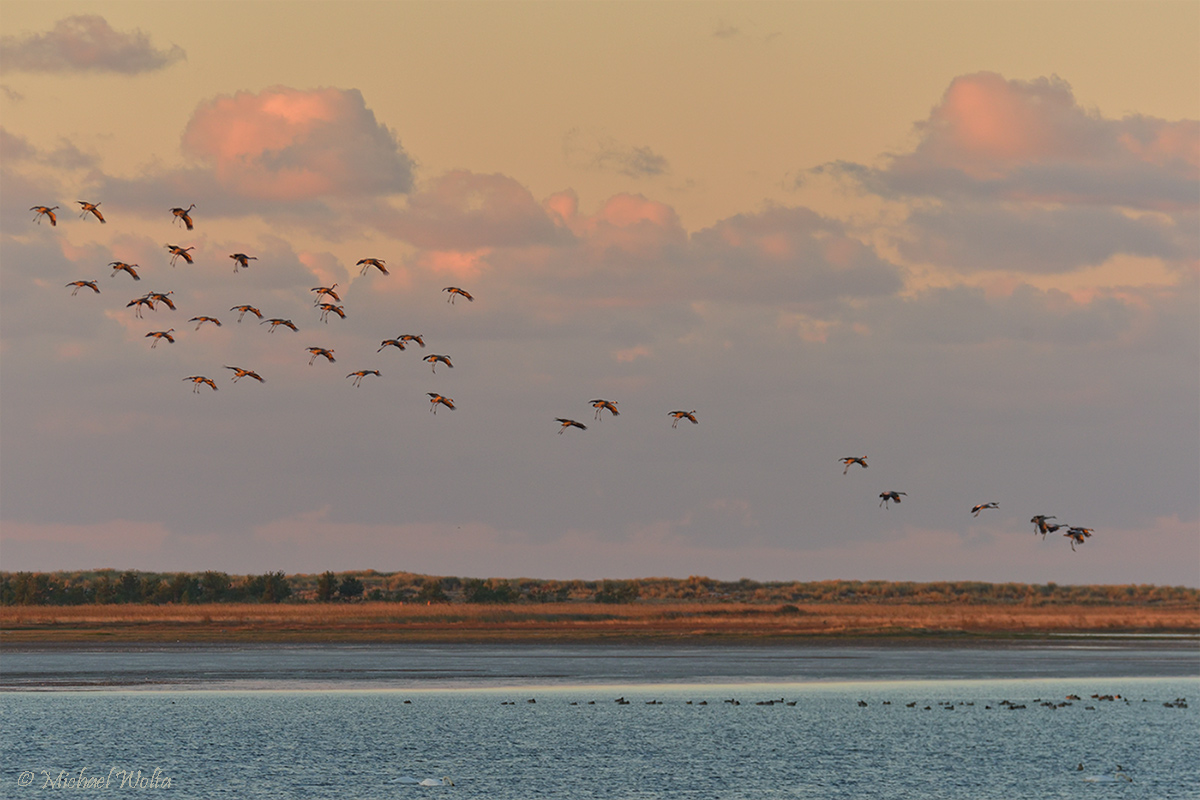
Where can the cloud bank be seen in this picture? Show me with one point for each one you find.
(85, 43)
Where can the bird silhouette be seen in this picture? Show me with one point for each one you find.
(434, 359)
(43, 211)
(160, 297)
(121, 266)
(569, 423)
(360, 374)
(436, 399)
(80, 284)
(178, 252)
(244, 309)
(320, 351)
(1039, 524)
(201, 320)
(601, 405)
(325, 291)
(239, 372)
(276, 322)
(982, 506)
(849, 461)
(678, 415)
(326, 308)
(182, 214)
(890, 496)
(408, 337)
(367, 263)
(390, 343)
(454, 290)
(199, 379)
(138, 304)
(90, 208)
(242, 260)
(1078, 535)
(160, 335)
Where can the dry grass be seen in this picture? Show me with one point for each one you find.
(383, 622)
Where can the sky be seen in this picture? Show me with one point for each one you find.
(959, 239)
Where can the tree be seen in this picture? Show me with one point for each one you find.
(432, 592)
(326, 587)
(617, 592)
(350, 588)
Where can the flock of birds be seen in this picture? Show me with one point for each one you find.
(1076, 534)
(327, 301)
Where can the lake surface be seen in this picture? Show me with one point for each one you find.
(352, 721)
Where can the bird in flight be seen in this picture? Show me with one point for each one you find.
(276, 322)
(360, 374)
(454, 290)
(569, 423)
(322, 291)
(199, 379)
(182, 214)
(320, 351)
(328, 307)
(1077, 535)
(242, 260)
(92, 208)
(179, 252)
(160, 297)
(246, 308)
(160, 335)
(201, 320)
(367, 263)
(390, 343)
(80, 284)
(138, 304)
(408, 337)
(976, 509)
(434, 359)
(890, 496)
(44, 211)
(436, 399)
(678, 415)
(238, 372)
(118, 266)
(1039, 524)
(601, 405)
(849, 461)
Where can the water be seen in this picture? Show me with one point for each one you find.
(347, 722)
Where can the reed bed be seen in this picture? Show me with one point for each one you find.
(373, 621)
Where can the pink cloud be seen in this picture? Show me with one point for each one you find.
(464, 210)
(293, 144)
(1017, 140)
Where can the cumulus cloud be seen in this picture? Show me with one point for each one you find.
(465, 210)
(1030, 141)
(85, 43)
(289, 144)
(597, 151)
(792, 255)
(975, 237)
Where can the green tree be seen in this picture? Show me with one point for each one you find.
(617, 592)
(350, 588)
(432, 592)
(326, 587)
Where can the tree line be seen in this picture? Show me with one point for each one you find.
(132, 586)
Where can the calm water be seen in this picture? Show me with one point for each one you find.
(347, 722)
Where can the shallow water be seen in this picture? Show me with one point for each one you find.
(386, 666)
(281, 740)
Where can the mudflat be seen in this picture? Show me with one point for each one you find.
(575, 622)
